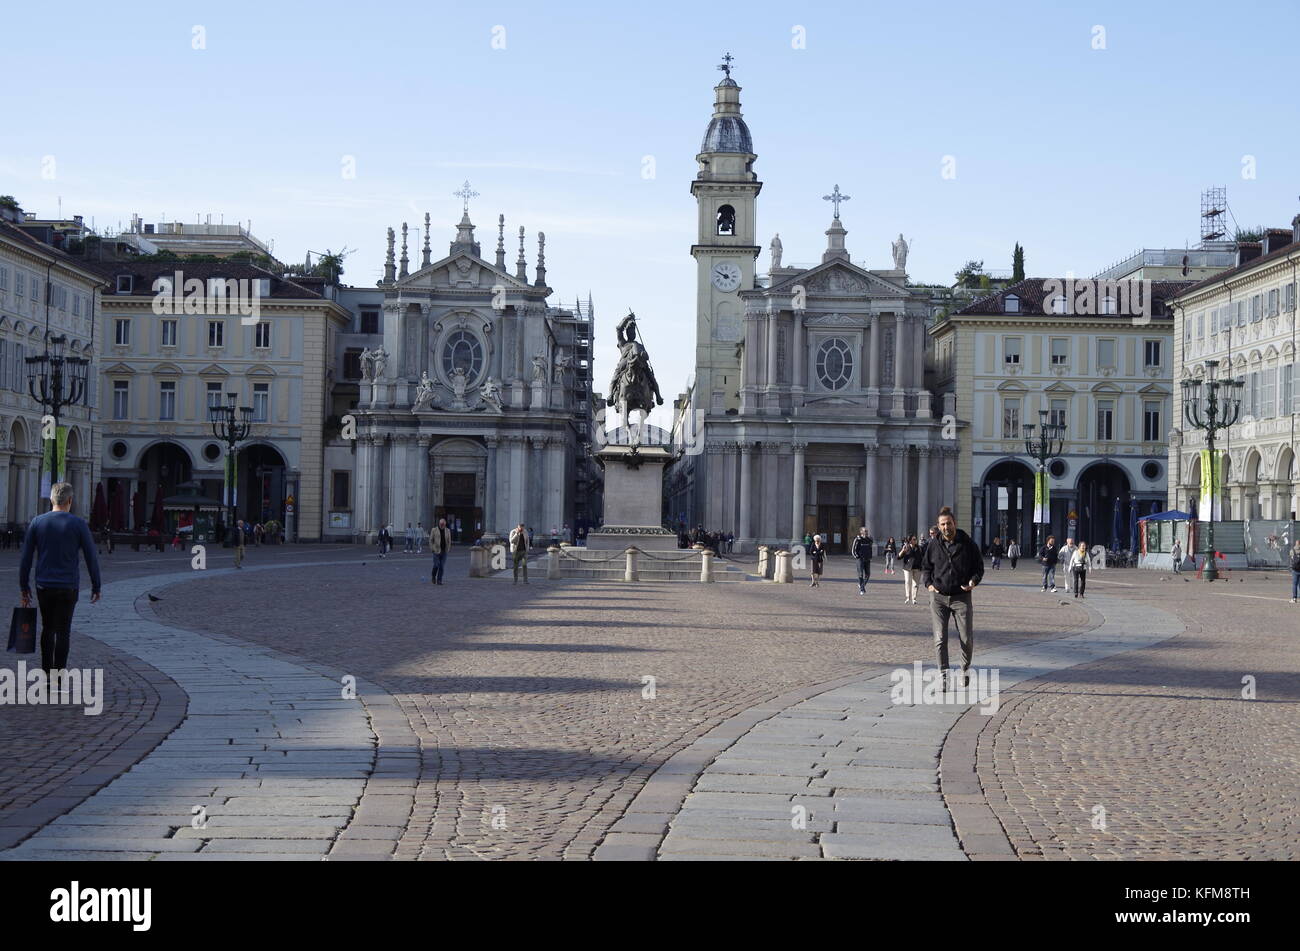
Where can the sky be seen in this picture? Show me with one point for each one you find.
(1082, 130)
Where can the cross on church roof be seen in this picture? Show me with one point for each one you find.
(835, 198)
(726, 64)
(465, 193)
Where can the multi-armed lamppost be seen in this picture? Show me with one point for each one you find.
(1043, 441)
(1210, 406)
(56, 381)
(231, 424)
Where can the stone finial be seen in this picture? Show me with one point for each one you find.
(541, 259)
(501, 242)
(521, 265)
(403, 272)
(426, 260)
(390, 268)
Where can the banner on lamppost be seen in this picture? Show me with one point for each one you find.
(56, 448)
(1211, 478)
(231, 486)
(1041, 500)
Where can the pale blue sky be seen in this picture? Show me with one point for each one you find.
(1082, 155)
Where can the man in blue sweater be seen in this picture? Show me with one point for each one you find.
(55, 539)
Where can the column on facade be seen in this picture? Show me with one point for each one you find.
(746, 500)
(796, 510)
(363, 504)
(766, 518)
(555, 482)
(6, 516)
(423, 507)
(773, 328)
(900, 406)
(537, 468)
(491, 490)
(513, 484)
(898, 488)
(918, 358)
(873, 359)
(925, 509)
(871, 516)
(798, 358)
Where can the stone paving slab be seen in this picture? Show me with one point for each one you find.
(878, 805)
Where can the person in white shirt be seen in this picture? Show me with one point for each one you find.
(1079, 568)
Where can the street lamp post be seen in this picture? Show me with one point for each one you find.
(231, 424)
(1043, 441)
(1211, 413)
(56, 381)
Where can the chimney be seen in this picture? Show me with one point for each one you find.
(1295, 228)
(1247, 251)
(1275, 238)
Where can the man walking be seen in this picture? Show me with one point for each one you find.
(410, 540)
(519, 550)
(1048, 556)
(1177, 554)
(952, 566)
(54, 540)
(419, 538)
(862, 546)
(440, 546)
(241, 536)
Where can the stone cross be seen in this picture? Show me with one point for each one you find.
(465, 194)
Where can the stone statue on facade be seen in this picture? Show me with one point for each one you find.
(634, 385)
(899, 248)
(776, 252)
(539, 368)
(459, 384)
(379, 356)
(423, 393)
(562, 364)
(490, 393)
(367, 365)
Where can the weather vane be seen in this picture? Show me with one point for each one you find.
(726, 64)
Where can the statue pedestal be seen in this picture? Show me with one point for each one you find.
(538, 401)
(634, 491)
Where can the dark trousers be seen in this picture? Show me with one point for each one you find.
(864, 574)
(1080, 580)
(521, 562)
(57, 605)
(957, 607)
(439, 561)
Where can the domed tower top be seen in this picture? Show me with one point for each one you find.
(727, 131)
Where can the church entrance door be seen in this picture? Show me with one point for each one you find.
(833, 515)
(458, 494)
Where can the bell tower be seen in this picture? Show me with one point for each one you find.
(726, 192)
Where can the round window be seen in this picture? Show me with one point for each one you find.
(1057, 468)
(462, 352)
(211, 452)
(834, 363)
(1151, 470)
(119, 449)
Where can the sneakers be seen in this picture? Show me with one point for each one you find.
(1053, 589)
(862, 591)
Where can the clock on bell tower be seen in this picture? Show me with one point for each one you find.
(726, 191)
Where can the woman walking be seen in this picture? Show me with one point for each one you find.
(1295, 572)
(1079, 568)
(1013, 553)
(910, 557)
(816, 559)
(995, 553)
(891, 554)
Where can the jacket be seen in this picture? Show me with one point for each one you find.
(518, 540)
(440, 540)
(862, 547)
(996, 550)
(1295, 560)
(55, 540)
(1013, 550)
(1078, 559)
(1049, 555)
(949, 565)
(911, 556)
(816, 555)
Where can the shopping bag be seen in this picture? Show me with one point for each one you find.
(22, 631)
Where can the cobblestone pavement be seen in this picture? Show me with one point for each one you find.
(529, 702)
(271, 759)
(1160, 742)
(854, 772)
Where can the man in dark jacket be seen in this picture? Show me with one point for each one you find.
(862, 546)
(440, 546)
(1048, 556)
(952, 566)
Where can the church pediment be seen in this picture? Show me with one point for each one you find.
(460, 270)
(841, 277)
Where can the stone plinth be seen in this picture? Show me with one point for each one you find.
(633, 500)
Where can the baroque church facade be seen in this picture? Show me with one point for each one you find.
(809, 411)
(477, 405)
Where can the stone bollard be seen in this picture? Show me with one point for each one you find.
(706, 567)
(764, 562)
(478, 561)
(629, 572)
(783, 574)
(552, 563)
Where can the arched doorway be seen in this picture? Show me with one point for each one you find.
(16, 510)
(1105, 496)
(1008, 505)
(1285, 505)
(262, 488)
(1250, 507)
(459, 473)
(162, 467)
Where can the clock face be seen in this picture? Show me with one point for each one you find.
(726, 276)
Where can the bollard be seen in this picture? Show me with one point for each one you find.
(764, 562)
(478, 561)
(552, 563)
(706, 567)
(783, 574)
(629, 572)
